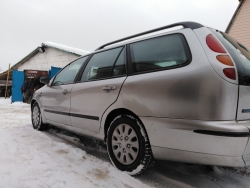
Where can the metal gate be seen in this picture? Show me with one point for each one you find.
(54, 71)
(17, 82)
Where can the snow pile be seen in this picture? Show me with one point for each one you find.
(30, 158)
(5, 101)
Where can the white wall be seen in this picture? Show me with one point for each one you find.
(51, 57)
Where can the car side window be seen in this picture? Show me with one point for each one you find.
(68, 74)
(159, 53)
(100, 65)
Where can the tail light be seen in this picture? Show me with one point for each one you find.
(214, 44)
(228, 69)
(225, 59)
(230, 73)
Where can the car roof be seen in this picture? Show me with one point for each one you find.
(190, 25)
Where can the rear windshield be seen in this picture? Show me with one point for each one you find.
(239, 53)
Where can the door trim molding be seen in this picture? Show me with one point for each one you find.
(57, 112)
(73, 115)
(85, 116)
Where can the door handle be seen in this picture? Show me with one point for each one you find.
(40, 94)
(108, 88)
(65, 91)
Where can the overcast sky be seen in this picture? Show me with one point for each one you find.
(87, 24)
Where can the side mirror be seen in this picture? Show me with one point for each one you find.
(44, 79)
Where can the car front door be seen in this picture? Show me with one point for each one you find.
(56, 97)
(98, 88)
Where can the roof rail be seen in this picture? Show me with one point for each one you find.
(191, 25)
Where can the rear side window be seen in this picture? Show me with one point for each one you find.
(160, 53)
(101, 65)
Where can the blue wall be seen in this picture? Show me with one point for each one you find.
(18, 80)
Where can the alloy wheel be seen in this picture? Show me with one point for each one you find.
(125, 144)
(36, 116)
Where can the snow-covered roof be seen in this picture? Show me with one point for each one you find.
(65, 48)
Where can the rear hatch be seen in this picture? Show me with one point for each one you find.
(241, 57)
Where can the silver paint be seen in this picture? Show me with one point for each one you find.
(194, 91)
(178, 134)
(244, 103)
(89, 98)
(54, 98)
(217, 66)
(170, 103)
(198, 158)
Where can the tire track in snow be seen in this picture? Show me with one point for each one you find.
(41, 161)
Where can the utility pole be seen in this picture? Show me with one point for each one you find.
(7, 81)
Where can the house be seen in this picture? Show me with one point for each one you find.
(239, 26)
(41, 59)
(49, 54)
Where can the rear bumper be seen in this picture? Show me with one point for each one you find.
(246, 154)
(197, 158)
(222, 143)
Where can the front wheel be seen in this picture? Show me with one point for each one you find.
(36, 118)
(128, 145)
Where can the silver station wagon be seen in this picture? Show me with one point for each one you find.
(182, 95)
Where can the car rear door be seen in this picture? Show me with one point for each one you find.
(56, 97)
(97, 88)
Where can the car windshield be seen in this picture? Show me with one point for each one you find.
(240, 55)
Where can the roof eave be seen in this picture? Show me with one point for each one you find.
(234, 15)
(44, 45)
(26, 58)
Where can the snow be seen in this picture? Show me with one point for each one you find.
(65, 48)
(30, 158)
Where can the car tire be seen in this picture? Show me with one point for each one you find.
(128, 145)
(36, 118)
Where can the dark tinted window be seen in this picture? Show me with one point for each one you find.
(120, 68)
(68, 74)
(100, 65)
(159, 53)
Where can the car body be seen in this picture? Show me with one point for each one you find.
(185, 93)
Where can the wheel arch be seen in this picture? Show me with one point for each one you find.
(32, 102)
(31, 105)
(114, 113)
(145, 158)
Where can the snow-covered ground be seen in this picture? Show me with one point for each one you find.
(57, 159)
(30, 158)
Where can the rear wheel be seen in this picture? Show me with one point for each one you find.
(36, 118)
(128, 145)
